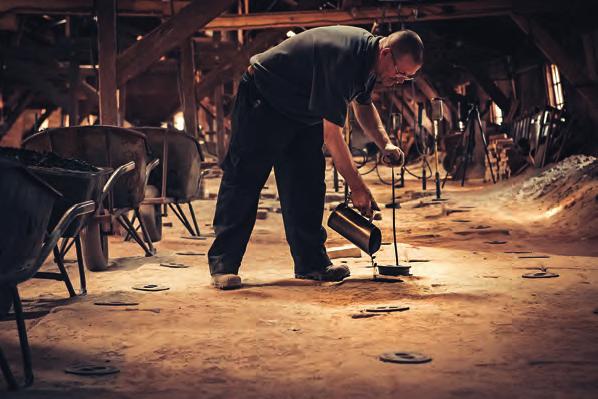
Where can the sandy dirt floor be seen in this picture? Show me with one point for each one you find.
(490, 332)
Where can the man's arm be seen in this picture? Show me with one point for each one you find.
(335, 143)
(369, 119)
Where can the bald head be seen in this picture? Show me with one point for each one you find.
(406, 42)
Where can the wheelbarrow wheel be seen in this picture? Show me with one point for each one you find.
(5, 300)
(95, 247)
(152, 215)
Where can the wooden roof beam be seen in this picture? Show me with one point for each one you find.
(557, 54)
(170, 34)
(441, 10)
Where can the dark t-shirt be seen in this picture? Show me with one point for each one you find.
(315, 74)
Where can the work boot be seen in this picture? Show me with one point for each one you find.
(331, 273)
(226, 281)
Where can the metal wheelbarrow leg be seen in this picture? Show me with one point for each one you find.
(49, 245)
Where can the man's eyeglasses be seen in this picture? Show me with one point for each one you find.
(399, 74)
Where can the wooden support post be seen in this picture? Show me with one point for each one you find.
(73, 92)
(187, 83)
(73, 77)
(122, 105)
(106, 12)
(220, 128)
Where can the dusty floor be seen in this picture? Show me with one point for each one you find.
(491, 333)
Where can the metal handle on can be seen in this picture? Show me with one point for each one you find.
(355, 228)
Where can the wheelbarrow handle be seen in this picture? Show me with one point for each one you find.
(149, 167)
(121, 170)
(69, 216)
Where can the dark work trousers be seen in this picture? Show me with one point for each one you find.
(263, 138)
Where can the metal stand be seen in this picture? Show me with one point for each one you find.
(124, 221)
(180, 214)
(473, 117)
(424, 141)
(25, 349)
(62, 275)
(437, 174)
(396, 269)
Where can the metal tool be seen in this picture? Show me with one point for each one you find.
(396, 269)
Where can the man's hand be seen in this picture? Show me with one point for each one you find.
(392, 155)
(364, 201)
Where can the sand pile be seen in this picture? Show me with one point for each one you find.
(568, 191)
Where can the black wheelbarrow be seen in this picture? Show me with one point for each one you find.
(111, 147)
(27, 203)
(78, 182)
(176, 182)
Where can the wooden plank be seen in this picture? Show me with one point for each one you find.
(137, 58)
(73, 83)
(106, 12)
(187, 76)
(557, 54)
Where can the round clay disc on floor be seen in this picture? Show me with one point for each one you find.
(174, 265)
(190, 253)
(496, 242)
(405, 357)
(540, 275)
(199, 238)
(150, 287)
(91, 369)
(116, 303)
(387, 309)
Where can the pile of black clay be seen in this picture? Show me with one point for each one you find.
(45, 160)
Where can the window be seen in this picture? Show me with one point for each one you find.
(495, 114)
(555, 87)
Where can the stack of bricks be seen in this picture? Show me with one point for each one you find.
(498, 146)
